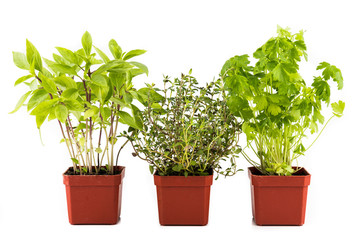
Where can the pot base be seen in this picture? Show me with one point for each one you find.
(183, 201)
(279, 200)
(94, 199)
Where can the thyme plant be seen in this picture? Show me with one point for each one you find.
(277, 105)
(188, 130)
(85, 95)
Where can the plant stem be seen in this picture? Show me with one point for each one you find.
(118, 154)
(320, 132)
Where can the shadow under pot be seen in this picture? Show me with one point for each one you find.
(279, 200)
(183, 200)
(94, 199)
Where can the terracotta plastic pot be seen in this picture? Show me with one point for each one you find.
(279, 200)
(94, 199)
(183, 200)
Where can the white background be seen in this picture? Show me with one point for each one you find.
(178, 35)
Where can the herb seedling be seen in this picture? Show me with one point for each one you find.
(277, 106)
(188, 131)
(85, 95)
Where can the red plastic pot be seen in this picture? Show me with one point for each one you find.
(183, 200)
(94, 199)
(279, 200)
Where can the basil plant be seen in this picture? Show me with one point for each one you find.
(188, 130)
(86, 95)
(278, 107)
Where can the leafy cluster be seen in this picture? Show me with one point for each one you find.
(86, 95)
(277, 106)
(188, 130)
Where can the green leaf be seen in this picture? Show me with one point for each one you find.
(67, 55)
(105, 112)
(301, 45)
(49, 63)
(133, 53)
(280, 73)
(115, 49)
(40, 119)
(48, 84)
(300, 149)
(110, 65)
(70, 93)
(21, 102)
(128, 98)
(331, 71)
(22, 79)
(177, 168)
(295, 113)
(318, 117)
(86, 42)
(249, 131)
(147, 93)
(75, 160)
(20, 61)
(61, 112)
(98, 150)
(274, 109)
(99, 80)
(60, 68)
(51, 115)
(127, 119)
(102, 55)
(44, 107)
(151, 168)
(156, 106)
(73, 105)
(338, 108)
(112, 140)
(118, 101)
(236, 62)
(261, 102)
(33, 85)
(101, 92)
(137, 116)
(38, 96)
(338, 78)
(91, 112)
(322, 89)
(33, 56)
(47, 73)
(58, 59)
(240, 107)
(65, 82)
(323, 65)
(141, 66)
(259, 53)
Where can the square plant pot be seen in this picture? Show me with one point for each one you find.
(183, 200)
(94, 199)
(279, 200)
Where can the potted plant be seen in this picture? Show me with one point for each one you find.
(279, 109)
(86, 96)
(188, 131)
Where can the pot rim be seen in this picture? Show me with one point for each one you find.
(279, 181)
(182, 181)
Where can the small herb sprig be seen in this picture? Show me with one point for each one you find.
(188, 130)
(277, 106)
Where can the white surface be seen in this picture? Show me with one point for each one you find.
(178, 36)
